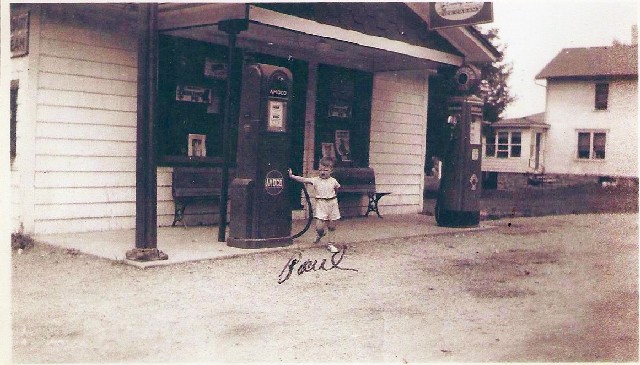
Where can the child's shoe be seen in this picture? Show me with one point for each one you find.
(332, 248)
(318, 237)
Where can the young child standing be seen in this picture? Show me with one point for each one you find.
(326, 208)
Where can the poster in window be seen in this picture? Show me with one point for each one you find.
(339, 111)
(197, 145)
(276, 116)
(215, 70)
(193, 94)
(342, 145)
(328, 151)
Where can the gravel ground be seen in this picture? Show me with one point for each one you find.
(555, 288)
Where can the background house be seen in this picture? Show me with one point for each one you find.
(592, 110)
(513, 149)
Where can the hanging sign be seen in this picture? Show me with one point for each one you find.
(456, 14)
(20, 35)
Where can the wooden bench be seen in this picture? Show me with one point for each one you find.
(194, 183)
(360, 180)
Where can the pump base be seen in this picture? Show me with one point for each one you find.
(259, 242)
(457, 219)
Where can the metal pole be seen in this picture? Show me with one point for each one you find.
(146, 173)
(226, 133)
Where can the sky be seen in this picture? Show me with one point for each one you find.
(536, 31)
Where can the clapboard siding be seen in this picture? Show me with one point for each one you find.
(83, 163)
(88, 132)
(69, 115)
(93, 69)
(86, 100)
(60, 147)
(398, 134)
(88, 179)
(52, 81)
(86, 123)
(87, 52)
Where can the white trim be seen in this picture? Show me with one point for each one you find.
(475, 40)
(269, 17)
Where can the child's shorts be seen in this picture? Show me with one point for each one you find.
(327, 209)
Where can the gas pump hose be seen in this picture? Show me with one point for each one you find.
(305, 229)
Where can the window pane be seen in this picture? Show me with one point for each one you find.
(503, 154)
(584, 143)
(491, 138)
(599, 142)
(602, 96)
(515, 151)
(516, 138)
(491, 150)
(503, 137)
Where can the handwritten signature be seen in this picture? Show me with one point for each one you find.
(309, 265)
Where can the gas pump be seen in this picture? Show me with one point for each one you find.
(260, 213)
(458, 202)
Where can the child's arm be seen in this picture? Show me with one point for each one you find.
(300, 179)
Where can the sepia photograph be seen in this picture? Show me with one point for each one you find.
(319, 182)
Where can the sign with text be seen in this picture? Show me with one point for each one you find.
(20, 35)
(456, 14)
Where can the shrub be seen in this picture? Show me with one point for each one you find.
(21, 241)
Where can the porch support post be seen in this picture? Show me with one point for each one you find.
(232, 27)
(146, 170)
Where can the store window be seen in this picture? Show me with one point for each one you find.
(13, 121)
(503, 144)
(343, 113)
(602, 96)
(192, 86)
(592, 145)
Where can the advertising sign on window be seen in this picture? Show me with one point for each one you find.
(193, 94)
(342, 145)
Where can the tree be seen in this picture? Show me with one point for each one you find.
(494, 89)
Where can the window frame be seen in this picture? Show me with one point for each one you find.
(593, 154)
(502, 150)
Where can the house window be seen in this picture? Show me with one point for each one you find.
(13, 121)
(504, 144)
(602, 96)
(591, 145)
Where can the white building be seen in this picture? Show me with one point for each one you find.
(75, 71)
(513, 149)
(592, 110)
(588, 131)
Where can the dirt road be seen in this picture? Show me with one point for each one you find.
(557, 288)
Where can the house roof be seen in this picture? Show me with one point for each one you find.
(617, 60)
(530, 121)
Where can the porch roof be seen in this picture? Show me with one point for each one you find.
(530, 121)
(371, 36)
